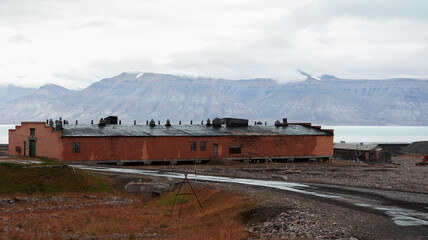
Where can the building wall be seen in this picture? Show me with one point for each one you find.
(152, 148)
(363, 155)
(46, 139)
(4, 149)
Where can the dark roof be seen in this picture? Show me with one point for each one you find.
(112, 130)
(356, 146)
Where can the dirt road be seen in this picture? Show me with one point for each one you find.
(316, 210)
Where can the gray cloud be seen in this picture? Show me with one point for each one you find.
(74, 43)
(19, 39)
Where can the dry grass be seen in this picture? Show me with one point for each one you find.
(17, 178)
(80, 217)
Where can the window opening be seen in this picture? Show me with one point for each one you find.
(193, 146)
(203, 146)
(234, 150)
(76, 147)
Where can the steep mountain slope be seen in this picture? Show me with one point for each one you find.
(39, 105)
(11, 92)
(142, 96)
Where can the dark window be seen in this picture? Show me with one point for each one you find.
(76, 147)
(32, 132)
(203, 146)
(234, 150)
(193, 146)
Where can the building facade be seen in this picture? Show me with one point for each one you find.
(109, 142)
(365, 152)
(4, 149)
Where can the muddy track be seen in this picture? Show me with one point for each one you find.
(408, 211)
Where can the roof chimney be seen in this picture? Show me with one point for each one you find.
(216, 122)
(285, 122)
(102, 122)
(58, 124)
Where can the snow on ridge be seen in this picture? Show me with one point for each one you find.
(139, 75)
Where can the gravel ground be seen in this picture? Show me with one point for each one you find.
(402, 175)
(284, 215)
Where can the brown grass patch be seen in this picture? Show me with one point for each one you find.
(99, 217)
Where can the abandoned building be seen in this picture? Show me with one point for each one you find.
(229, 138)
(4, 149)
(361, 151)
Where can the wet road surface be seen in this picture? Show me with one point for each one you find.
(406, 209)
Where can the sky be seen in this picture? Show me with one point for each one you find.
(76, 43)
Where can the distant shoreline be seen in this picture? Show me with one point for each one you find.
(348, 134)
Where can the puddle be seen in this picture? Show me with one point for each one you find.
(287, 186)
(401, 216)
(22, 161)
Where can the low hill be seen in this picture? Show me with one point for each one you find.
(47, 178)
(417, 148)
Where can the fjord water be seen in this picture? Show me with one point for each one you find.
(375, 134)
(379, 134)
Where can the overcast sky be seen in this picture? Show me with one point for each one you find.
(75, 43)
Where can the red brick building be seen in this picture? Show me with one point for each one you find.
(115, 143)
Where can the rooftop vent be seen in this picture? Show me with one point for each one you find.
(111, 120)
(216, 122)
(58, 124)
(102, 122)
(235, 122)
(283, 123)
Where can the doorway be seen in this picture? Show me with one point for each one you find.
(215, 150)
(32, 148)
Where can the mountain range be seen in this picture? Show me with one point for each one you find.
(141, 96)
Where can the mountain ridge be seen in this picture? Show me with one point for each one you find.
(143, 96)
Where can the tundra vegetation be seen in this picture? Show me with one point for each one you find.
(63, 203)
